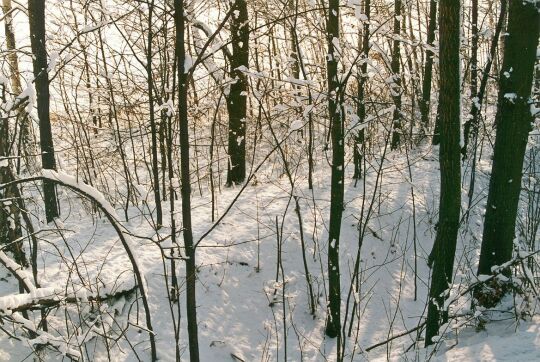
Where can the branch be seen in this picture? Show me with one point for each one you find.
(50, 297)
(99, 200)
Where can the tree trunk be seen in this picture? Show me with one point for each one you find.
(10, 224)
(36, 13)
(335, 108)
(191, 277)
(237, 98)
(25, 130)
(513, 122)
(395, 87)
(153, 128)
(450, 195)
(470, 128)
(474, 48)
(359, 145)
(428, 67)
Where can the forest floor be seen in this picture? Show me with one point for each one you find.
(244, 311)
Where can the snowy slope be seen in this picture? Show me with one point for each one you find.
(241, 312)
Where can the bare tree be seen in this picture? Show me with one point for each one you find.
(237, 97)
(36, 12)
(444, 248)
(187, 229)
(336, 114)
(513, 122)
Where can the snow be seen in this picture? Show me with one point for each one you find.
(360, 16)
(501, 341)
(511, 97)
(90, 28)
(296, 125)
(16, 268)
(29, 93)
(188, 63)
(239, 307)
(534, 110)
(54, 59)
(15, 301)
(241, 303)
(72, 181)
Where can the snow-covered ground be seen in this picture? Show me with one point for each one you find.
(244, 311)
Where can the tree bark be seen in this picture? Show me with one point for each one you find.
(36, 12)
(450, 196)
(395, 87)
(27, 145)
(428, 67)
(470, 128)
(185, 192)
(152, 118)
(335, 108)
(359, 145)
(513, 122)
(10, 223)
(237, 98)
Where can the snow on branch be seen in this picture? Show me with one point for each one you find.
(99, 200)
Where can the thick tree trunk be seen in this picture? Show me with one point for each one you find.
(450, 196)
(513, 122)
(237, 98)
(191, 272)
(336, 114)
(36, 12)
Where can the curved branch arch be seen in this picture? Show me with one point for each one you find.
(90, 193)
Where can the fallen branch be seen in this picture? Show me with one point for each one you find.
(43, 338)
(18, 271)
(48, 297)
(421, 325)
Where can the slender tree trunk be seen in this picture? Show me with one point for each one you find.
(237, 98)
(450, 195)
(153, 128)
(359, 145)
(513, 122)
(11, 47)
(395, 87)
(113, 115)
(191, 272)
(25, 130)
(295, 66)
(36, 12)
(335, 108)
(301, 68)
(474, 48)
(10, 215)
(428, 67)
(471, 127)
(476, 103)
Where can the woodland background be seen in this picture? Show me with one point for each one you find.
(269, 180)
